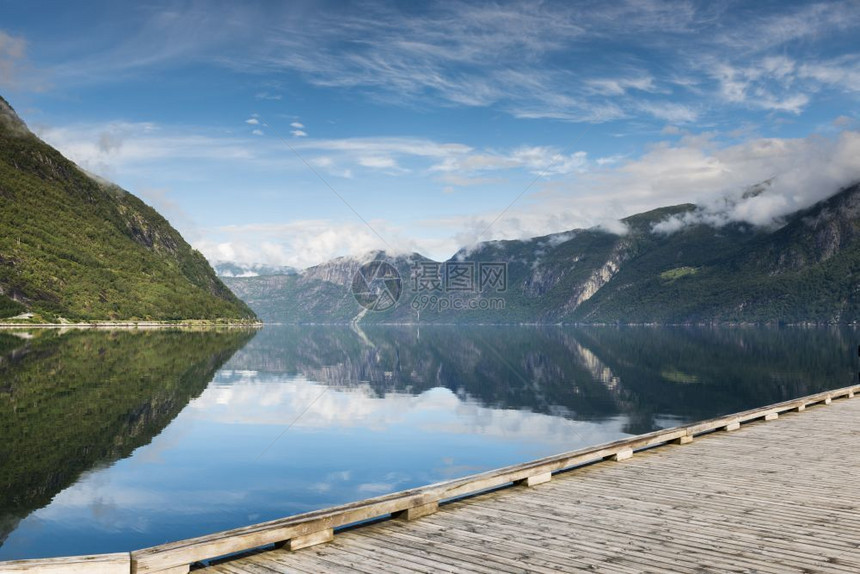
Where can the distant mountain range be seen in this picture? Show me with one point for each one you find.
(669, 268)
(75, 248)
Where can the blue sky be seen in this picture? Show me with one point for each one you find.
(292, 132)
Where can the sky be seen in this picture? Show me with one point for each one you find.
(288, 133)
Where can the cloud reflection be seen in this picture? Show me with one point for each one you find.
(252, 398)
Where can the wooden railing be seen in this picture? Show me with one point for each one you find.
(316, 527)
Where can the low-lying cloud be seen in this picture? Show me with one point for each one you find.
(765, 180)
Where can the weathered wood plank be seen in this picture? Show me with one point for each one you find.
(312, 539)
(94, 564)
(417, 512)
(622, 455)
(732, 426)
(535, 479)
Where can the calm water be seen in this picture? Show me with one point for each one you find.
(113, 441)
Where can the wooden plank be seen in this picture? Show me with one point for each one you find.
(417, 512)
(732, 426)
(119, 563)
(554, 512)
(160, 558)
(312, 539)
(396, 559)
(535, 479)
(515, 545)
(622, 455)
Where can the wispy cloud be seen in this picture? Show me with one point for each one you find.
(542, 160)
(544, 60)
(620, 86)
(15, 70)
(113, 147)
(698, 169)
(761, 31)
(448, 53)
(574, 190)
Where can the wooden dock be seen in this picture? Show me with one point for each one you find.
(777, 496)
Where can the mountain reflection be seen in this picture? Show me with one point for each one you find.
(652, 376)
(73, 401)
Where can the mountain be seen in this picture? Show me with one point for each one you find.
(76, 248)
(807, 269)
(322, 293)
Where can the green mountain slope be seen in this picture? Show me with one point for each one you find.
(80, 249)
(807, 270)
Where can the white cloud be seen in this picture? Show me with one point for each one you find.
(377, 162)
(466, 181)
(417, 147)
(539, 160)
(620, 86)
(757, 32)
(299, 133)
(669, 111)
(12, 55)
(107, 148)
(576, 191)
(843, 73)
(452, 53)
(299, 244)
(321, 161)
(257, 132)
(252, 121)
(768, 84)
(297, 125)
(799, 172)
(696, 170)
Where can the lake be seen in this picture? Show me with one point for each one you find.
(112, 441)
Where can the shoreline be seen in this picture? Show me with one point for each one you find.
(130, 324)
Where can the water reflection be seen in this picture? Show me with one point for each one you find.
(124, 440)
(74, 401)
(645, 374)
